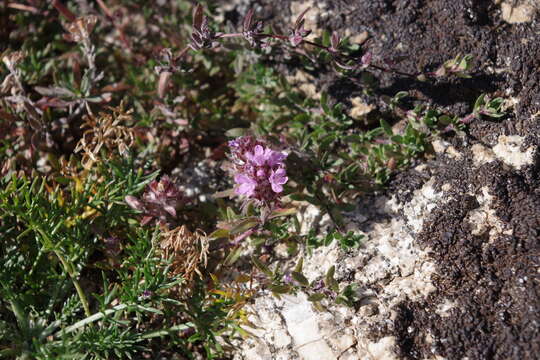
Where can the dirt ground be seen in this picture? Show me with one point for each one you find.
(491, 277)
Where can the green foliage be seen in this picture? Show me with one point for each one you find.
(81, 277)
(347, 241)
(52, 231)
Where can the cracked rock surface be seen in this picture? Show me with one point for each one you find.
(389, 269)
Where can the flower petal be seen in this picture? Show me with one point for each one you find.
(277, 188)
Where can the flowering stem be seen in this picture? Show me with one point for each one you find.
(378, 67)
(327, 49)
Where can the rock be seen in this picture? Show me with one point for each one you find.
(517, 12)
(359, 109)
(383, 349)
(305, 83)
(509, 151)
(388, 268)
(444, 147)
(482, 154)
(484, 218)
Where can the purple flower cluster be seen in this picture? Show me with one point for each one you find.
(259, 170)
(160, 201)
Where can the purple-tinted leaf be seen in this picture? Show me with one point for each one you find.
(295, 39)
(248, 20)
(303, 32)
(342, 65)
(334, 41)
(243, 236)
(198, 16)
(146, 219)
(244, 225)
(300, 19)
(54, 91)
(366, 59)
(134, 203)
(170, 209)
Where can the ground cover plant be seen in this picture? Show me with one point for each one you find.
(109, 250)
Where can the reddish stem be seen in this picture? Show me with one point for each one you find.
(326, 48)
(62, 9)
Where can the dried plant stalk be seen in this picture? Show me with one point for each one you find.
(105, 130)
(187, 250)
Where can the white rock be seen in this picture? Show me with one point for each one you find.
(517, 12)
(387, 268)
(508, 150)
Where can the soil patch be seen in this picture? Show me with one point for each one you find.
(493, 281)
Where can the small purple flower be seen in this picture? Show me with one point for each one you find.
(147, 294)
(276, 158)
(259, 170)
(277, 179)
(246, 185)
(287, 279)
(261, 156)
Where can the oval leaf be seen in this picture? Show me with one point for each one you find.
(301, 279)
(316, 297)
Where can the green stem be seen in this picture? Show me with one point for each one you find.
(76, 283)
(95, 317)
(171, 330)
(68, 267)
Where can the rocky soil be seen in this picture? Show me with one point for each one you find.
(449, 268)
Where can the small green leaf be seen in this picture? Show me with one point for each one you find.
(326, 38)
(386, 127)
(316, 297)
(261, 266)
(250, 209)
(244, 225)
(222, 194)
(301, 279)
(233, 256)
(324, 103)
(354, 139)
(230, 213)
(219, 234)
(397, 139)
(464, 64)
(299, 265)
(479, 103)
(445, 120)
(400, 95)
(280, 289)
(236, 132)
(283, 212)
(301, 118)
(329, 278)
